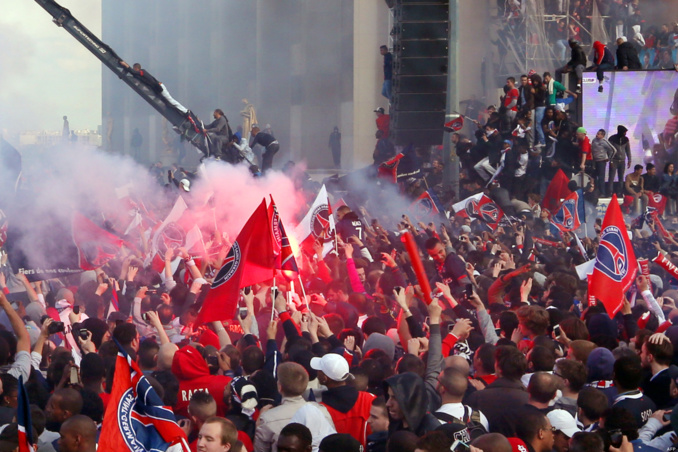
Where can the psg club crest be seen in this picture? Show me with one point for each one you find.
(320, 223)
(567, 217)
(612, 258)
(230, 266)
(489, 213)
(172, 236)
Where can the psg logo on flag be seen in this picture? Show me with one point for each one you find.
(231, 264)
(612, 258)
(320, 222)
(567, 219)
(472, 208)
(172, 236)
(489, 212)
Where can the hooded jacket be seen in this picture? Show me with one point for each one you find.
(410, 392)
(577, 57)
(627, 56)
(602, 54)
(191, 369)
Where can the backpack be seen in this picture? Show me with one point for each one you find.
(471, 421)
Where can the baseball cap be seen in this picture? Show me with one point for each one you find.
(379, 110)
(673, 373)
(185, 184)
(332, 365)
(560, 107)
(466, 228)
(517, 444)
(581, 130)
(563, 421)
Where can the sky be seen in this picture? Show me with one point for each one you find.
(44, 72)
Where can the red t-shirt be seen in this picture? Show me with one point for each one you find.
(512, 95)
(585, 148)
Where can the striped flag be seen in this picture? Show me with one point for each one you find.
(135, 418)
(23, 418)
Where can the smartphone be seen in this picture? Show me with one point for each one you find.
(497, 331)
(76, 309)
(213, 361)
(616, 437)
(144, 317)
(248, 289)
(83, 334)
(556, 330)
(74, 375)
(398, 289)
(667, 416)
(468, 291)
(243, 313)
(450, 327)
(427, 320)
(459, 446)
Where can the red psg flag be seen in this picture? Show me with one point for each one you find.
(454, 125)
(95, 245)
(285, 263)
(556, 191)
(616, 265)
(250, 260)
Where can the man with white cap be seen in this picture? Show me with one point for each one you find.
(292, 382)
(349, 408)
(565, 427)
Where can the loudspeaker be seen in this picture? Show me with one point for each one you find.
(420, 51)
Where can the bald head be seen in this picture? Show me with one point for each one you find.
(542, 388)
(78, 434)
(65, 294)
(452, 385)
(458, 363)
(166, 356)
(496, 442)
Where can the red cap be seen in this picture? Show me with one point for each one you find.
(518, 445)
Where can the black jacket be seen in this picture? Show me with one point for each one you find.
(410, 392)
(577, 57)
(496, 402)
(627, 56)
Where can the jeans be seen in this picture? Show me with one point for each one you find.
(386, 89)
(601, 69)
(600, 168)
(560, 49)
(618, 169)
(538, 116)
(267, 158)
(484, 169)
(164, 93)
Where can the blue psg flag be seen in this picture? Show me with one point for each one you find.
(135, 418)
(616, 265)
(23, 418)
(571, 213)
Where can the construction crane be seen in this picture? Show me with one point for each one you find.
(185, 124)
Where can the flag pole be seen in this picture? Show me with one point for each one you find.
(303, 292)
(274, 293)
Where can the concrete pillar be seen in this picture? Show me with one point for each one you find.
(370, 30)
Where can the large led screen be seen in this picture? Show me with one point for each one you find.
(645, 102)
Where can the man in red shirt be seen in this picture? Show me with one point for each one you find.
(383, 121)
(584, 148)
(511, 100)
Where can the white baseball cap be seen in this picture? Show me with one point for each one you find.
(333, 365)
(563, 421)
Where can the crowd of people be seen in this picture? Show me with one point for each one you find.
(511, 354)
